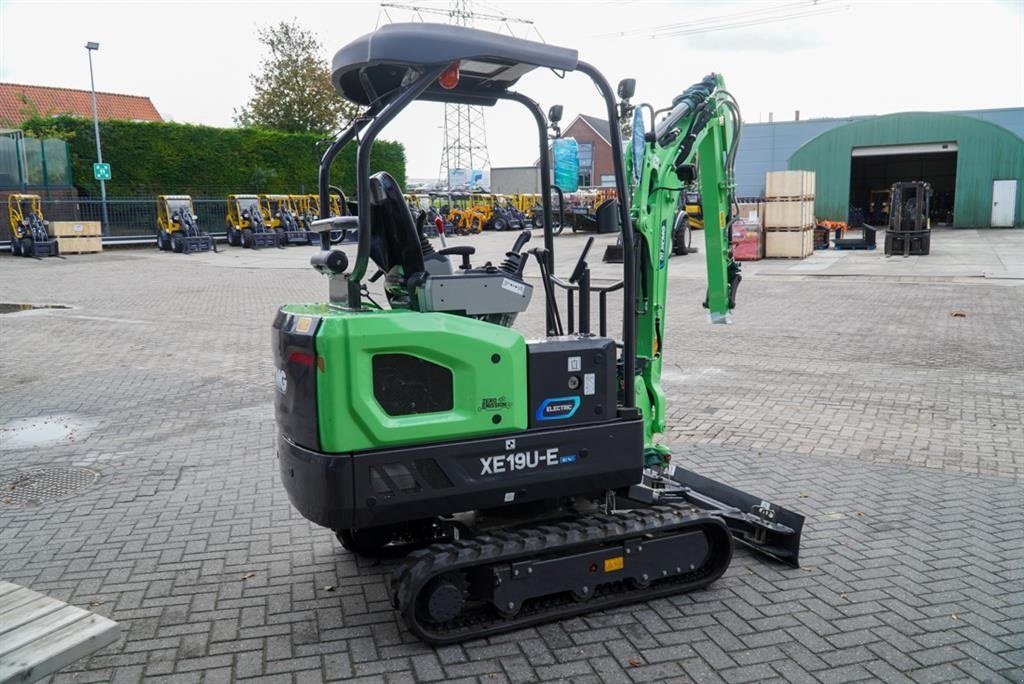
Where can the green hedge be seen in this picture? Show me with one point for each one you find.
(171, 158)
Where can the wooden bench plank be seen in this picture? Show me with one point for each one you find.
(35, 609)
(7, 587)
(40, 635)
(62, 647)
(16, 599)
(38, 629)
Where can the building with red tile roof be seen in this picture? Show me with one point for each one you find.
(18, 102)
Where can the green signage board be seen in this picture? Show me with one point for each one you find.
(101, 172)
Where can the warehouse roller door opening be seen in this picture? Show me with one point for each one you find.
(873, 170)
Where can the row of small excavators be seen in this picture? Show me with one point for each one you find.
(253, 221)
(469, 213)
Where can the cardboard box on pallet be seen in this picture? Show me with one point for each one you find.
(74, 229)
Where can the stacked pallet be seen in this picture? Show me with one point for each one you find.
(789, 214)
(77, 237)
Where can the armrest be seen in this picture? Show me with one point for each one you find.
(458, 250)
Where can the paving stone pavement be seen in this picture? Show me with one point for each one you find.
(894, 426)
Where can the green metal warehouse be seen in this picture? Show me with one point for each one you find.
(975, 166)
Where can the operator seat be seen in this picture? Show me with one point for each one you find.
(394, 240)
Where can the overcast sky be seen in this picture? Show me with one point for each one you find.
(841, 58)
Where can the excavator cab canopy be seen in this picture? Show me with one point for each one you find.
(386, 70)
(375, 65)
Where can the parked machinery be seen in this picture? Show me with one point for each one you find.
(246, 226)
(528, 471)
(503, 215)
(528, 208)
(29, 230)
(281, 216)
(177, 226)
(479, 213)
(305, 213)
(910, 230)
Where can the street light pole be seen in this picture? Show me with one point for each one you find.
(89, 47)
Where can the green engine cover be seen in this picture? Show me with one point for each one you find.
(475, 378)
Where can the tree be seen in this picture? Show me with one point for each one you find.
(293, 90)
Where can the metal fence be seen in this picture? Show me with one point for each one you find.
(33, 162)
(128, 219)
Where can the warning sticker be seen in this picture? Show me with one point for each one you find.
(302, 325)
(575, 363)
(588, 383)
(613, 564)
(513, 286)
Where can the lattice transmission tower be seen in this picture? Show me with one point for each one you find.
(465, 132)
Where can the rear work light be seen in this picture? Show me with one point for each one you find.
(303, 358)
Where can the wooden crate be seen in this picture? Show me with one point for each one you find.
(796, 184)
(79, 245)
(789, 244)
(75, 228)
(789, 214)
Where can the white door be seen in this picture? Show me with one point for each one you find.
(1004, 203)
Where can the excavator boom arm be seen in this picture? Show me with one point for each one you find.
(695, 141)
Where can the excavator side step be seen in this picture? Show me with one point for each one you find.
(503, 581)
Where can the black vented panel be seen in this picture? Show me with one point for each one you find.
(432, 473)
(406, 385)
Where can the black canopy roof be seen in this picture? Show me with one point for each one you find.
(377, 63)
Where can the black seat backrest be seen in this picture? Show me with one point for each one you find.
(393, 236)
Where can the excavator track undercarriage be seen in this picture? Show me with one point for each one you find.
(508, 580)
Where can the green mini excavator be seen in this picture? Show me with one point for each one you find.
(521, 479)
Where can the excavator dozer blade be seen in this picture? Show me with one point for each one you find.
(761, 525)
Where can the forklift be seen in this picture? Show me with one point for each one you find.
(30, 235)
(246, 227)
(177, 227)
(526, 473)
(910, 229)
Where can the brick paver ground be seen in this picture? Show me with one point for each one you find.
(894, 426)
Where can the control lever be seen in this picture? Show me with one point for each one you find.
(581, 276)
(523, 238)
(515, 262)
(581, 263)
(554, 318)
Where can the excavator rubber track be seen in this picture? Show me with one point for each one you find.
(502, 581)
